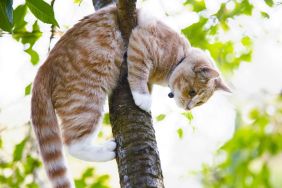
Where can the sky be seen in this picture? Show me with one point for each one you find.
(213, 122)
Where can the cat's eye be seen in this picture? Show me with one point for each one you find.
(192, 93)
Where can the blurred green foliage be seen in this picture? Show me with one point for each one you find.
(89, 179)
(256, 142)
(205, 33)
(160, 117)
(21, 169)
(180, 133)
(245, 158)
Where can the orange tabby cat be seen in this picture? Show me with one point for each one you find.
(83, 69)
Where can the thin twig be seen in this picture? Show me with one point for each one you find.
(53, 28)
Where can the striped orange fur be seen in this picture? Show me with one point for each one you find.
(82, 70)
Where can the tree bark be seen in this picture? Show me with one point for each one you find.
(137, 153)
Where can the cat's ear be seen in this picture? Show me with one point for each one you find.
(205, 72)
(220, 85)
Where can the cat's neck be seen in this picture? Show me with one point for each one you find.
(174, 67)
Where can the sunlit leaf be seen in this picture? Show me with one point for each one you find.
(88, 173)
(6, 15)
(246, 41)
(197, 5)
(189, 116)
(19, 22)
(264, 15)
(18, 151)
(34, 57)
(42, 11)
(80, 183)
(100, 134)
(77, 1)
(106, 119)
(29, 38)
(27, 89)
(196, 33)
(160, 117)
(180, 133)
(240, 8)
(269, 2)
(31, 164)
(32, 185)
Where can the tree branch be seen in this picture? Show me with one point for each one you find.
(137, 153)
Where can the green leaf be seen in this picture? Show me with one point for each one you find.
(27, 89)
(269, 2)
(198, 5)
(100, 134)
(264, 15)
(80, 183)
(188, 115)
(6, 15)
(18, 151)
(42, 11)
(88, 173)
(106, 119)
(160, 117)
(77, 1)
(19, 22)
(196, 33)
(32, 185)
(30, 38)
(30, 164)
(34, 57)
(180, 133)
(246, 41)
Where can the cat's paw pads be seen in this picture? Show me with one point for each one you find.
(144, 101)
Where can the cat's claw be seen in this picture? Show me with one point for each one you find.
(92, 152)
(143, 101)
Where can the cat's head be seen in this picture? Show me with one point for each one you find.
(194, 80)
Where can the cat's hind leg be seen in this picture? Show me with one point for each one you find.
(86, 150)
(80, 126)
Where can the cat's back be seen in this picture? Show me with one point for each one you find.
(95, 34)
(87, 58)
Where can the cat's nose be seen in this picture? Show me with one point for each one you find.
(189, 106)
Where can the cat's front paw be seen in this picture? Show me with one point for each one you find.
(143, 101)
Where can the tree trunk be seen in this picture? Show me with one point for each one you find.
(137, 153)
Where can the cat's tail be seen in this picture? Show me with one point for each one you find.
(47, 130)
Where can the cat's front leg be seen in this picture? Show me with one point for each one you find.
(139, 89)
